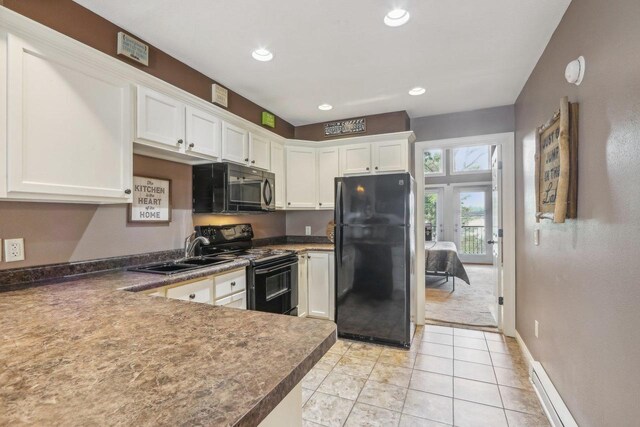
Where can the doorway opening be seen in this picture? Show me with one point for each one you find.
(463, 215)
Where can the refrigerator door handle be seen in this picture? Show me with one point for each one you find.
(338, 204)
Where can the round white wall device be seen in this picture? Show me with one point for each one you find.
(574, 73)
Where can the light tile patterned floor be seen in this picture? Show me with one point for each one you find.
(450, 376)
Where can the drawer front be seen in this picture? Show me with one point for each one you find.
(234, 301)
(200, 291)
(230, 283)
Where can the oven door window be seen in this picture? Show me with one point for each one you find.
(273, 291)
(277, 285)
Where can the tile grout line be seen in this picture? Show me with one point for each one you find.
(493, 367)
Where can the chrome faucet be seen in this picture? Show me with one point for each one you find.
(190, 244)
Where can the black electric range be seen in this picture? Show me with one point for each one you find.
(272, 276)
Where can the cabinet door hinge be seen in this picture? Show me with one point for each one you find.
(500, 300)
(500, 232)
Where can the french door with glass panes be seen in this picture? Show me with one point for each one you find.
(434, 213)
(472, 227)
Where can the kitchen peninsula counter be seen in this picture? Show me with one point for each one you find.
(83, 351)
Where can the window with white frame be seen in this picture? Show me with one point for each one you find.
(434, 162)
(472, 159)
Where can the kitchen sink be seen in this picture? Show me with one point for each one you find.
(204, 261)
(179, 266)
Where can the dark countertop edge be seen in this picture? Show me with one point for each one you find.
(152, 280)
(170, 279)
(264, 407)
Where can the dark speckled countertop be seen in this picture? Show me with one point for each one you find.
(82, 351)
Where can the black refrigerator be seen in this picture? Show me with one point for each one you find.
(375, 252)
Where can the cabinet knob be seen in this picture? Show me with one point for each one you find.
(127, 191)
(192, 296)
(193, 145)
(367, 168)
(308, 256)
(253, 161)
(376, 168)
(289, 203)
(180, 141)
(246, 160)
(233, 283)
(320, 204)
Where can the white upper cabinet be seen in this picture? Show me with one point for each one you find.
(235, 143)
(277, 167)
(355, 159)
(203, 133)
(69, 128)
(328, 170)
(259, 151)
(390, 156)
(301, 177)
(160, 120)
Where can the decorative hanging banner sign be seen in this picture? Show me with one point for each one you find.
(345, 127)
(151, 200)
(133, 49)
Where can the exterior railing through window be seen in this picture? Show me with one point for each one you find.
(473, 240)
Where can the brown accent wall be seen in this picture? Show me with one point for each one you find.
(75, 21)
(397, 121)
(583, 282)
(63, 232)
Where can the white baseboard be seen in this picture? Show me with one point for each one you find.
(551, 401)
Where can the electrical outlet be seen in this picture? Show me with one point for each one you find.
(537, 325)
(307, 230)
(14, 250)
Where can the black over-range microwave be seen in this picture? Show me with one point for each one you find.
(231, 188)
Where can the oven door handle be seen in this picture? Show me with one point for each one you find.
(278, 267)
(279, 294)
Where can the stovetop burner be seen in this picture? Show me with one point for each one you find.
(235, 241)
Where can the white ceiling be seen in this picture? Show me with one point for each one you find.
(468, 54)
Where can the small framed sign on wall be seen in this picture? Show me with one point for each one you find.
(151, 200)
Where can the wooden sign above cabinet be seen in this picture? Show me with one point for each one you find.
(345, 127)
(133, 49)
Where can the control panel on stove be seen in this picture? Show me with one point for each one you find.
(225, 233)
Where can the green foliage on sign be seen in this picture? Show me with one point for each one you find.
(268, 119)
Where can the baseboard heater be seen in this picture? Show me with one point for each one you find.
(554, 406)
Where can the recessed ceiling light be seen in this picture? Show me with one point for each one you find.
(396, 17)
(417, 91)
(325, 107)
(262, 55)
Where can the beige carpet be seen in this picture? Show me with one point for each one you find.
(468, 305)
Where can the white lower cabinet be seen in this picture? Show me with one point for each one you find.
(199, 291)
(226, 289)
(234, 301)
(320, 283)
(303, 290)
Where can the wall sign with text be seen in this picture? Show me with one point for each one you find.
(557, 165)
(151, 200)
(345, 127)
(133, 49)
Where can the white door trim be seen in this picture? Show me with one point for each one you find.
(507, 141)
